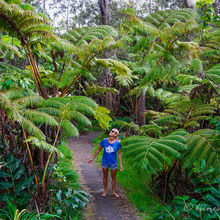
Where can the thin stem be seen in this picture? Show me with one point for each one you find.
(48, 160)
(31, 160)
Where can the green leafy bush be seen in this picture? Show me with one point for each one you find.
(15, 183)
(13, 213)
(203, 204)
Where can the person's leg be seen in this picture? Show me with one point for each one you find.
(113, 175)
(105, 180)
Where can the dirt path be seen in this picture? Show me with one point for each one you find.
(90, 178)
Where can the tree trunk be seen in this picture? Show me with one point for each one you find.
(108, 83)
(141, 109)
(105, 17)
(108, 80)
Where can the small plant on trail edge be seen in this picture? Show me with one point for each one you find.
(67, 202)
(13, 213)
(15, 183)
(66, 199)
(206, 201)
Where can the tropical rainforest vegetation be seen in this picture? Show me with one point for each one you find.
(153, 73)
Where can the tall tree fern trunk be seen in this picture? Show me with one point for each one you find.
(108, 83)
(105, 17)
(141, 109)
(108, 79)
(36, 74)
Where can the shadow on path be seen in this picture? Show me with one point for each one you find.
(90, 178)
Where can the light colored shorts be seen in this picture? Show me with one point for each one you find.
(112, 166)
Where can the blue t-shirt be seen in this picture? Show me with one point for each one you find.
(109, 155)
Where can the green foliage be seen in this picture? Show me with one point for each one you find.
(162, 38)
(15, 184)
(216, 122)
(213, 74)
(207, 12)
(80, 36)
(43, 145)
(206, 207)
(68, 110)
(90, 44)
(151, 154)
(68, 200)
(94, 89)
(185, 114)
(13, 213)
(203, 144)
(7, 49)
(22, 23)
(101, 115)
(125, 124)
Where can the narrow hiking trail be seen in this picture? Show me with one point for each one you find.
(90, 178)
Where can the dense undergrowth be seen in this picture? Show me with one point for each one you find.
(65, 197)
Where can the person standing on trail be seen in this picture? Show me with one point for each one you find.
(109, 159)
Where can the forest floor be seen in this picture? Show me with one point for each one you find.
(90, 179)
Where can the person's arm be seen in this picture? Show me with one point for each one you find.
(98, 150)
(120, 160)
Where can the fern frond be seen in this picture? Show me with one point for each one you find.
(12, 110)
(81, 107)
(53, 102)
(40, 117)
(51, 111)
(43, 145)
(126, 124)
(10, 47)
(187, 79)
(32, 129)
(201, 145)
(82, 99)
(80, 118)
(15, 93)
(94, 89)
(69, 129)
(152, 153)
(31, 101)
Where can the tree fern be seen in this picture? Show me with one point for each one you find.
(203, 144)
(40, 117)
(94, 89)
(159, 35)
(32, 129)
(213, 74)
(167, 18)
(31, 101)
(33, 110)
(152, 154)
(80, 118)
(80, 36)
(42, 145)
(6, 47)
(122, 124)
(152, 129)
(69, 128)
(183, 114)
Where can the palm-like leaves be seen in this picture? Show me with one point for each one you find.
(153, 154)
(203, 144)
(23, 23)
(80, 36)
(161, 37)
(185, 114)
(31, 111)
